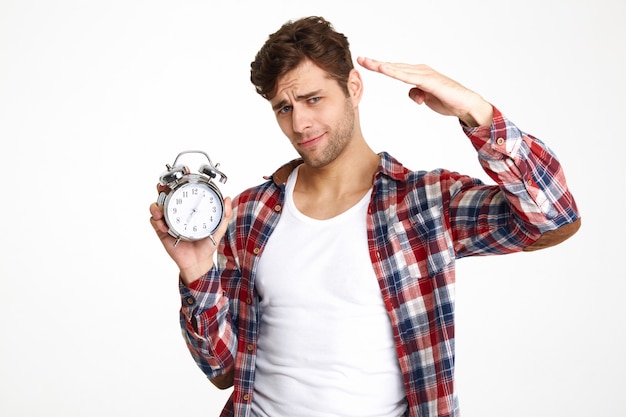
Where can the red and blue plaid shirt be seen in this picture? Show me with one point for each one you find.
(418, 224)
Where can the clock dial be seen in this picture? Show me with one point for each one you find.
(194, 210)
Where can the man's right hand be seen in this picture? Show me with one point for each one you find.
(440, 93)
(195, 258)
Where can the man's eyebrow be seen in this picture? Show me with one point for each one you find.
(307, 96)
(279, 105)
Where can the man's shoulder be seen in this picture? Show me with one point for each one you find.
(256, 193)
(422, 187)
(392, 168)
(270, 188)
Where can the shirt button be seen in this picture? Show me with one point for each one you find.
(246, 397)
(500, 141)
(190, 301)
(529, 181)
(256, 251)
(250, 347)
(277, 207)
(248, 300)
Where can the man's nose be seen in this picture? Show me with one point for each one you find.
(301, 119)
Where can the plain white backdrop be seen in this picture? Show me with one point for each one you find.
(96, 97)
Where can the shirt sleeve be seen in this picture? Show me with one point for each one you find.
(206, 324)
(531, 187)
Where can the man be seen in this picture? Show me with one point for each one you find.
(333, 291)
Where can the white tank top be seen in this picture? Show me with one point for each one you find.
(325, 343)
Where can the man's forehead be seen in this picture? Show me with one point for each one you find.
(301, 81)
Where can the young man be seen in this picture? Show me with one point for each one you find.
(333, 292)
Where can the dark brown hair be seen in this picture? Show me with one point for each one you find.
(312, 38)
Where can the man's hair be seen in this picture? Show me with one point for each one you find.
(312, 38)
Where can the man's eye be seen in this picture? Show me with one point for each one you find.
(285, 110)
(314, 99)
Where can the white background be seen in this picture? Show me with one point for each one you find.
(97, 96)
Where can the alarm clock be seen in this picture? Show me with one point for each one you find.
(193, 205)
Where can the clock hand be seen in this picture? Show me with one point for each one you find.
(195, 209)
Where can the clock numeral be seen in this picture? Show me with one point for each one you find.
(194, 191)
(185, 193)
(179, 201)
(174, 210)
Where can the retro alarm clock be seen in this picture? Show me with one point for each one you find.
(193, 206)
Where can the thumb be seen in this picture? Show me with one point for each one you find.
(228, 214)
(416, 95)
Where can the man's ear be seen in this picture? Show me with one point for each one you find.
(355, 86)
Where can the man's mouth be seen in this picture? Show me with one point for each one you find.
(310, 141)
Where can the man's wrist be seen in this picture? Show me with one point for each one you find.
(480, 115)
(189, 275)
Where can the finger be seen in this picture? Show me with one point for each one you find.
(159, 227)
(228, 213)
(162, 188)
(156, 211)
(228, 208)
(368, 63)
(156, 219)
(371, 64)
(417, 95)
(407, 73)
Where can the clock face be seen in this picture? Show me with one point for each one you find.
(194, 210)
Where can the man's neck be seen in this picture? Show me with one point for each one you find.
(327, 191)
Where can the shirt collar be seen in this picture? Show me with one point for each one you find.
(388, 166)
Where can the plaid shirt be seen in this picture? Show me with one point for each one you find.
(418, 224)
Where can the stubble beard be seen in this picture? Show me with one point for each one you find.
(336, 143)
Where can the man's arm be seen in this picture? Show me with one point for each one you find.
(206, 321)
(224, 381)
(204, 313)
(527, 172)
(531, 179)
(554, 237)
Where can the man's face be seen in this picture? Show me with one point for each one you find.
(314, 112)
